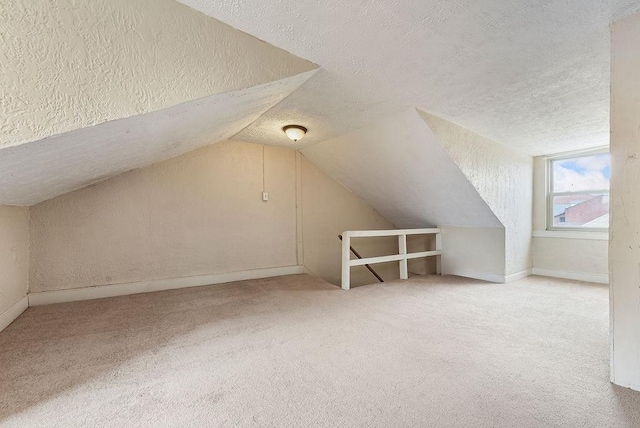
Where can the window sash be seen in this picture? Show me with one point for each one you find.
(551, 226)
(581, 192)
(551, 194)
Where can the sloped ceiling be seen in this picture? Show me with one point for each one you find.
(91, 89)
(399, 167)
(531, 75)
(66, 65)
(34, 172)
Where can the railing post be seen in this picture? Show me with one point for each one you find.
(346, 257)
(439, 248)
(402, 246)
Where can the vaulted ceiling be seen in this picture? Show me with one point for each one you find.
(533, 75)
(40, 170)
(67, 65)
(90, 89)
(402, 170)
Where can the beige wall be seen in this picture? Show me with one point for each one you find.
(579, 255)
(197, 214)
(14, 255)
(624, 248)
(76, 63)
(328, 209)
(419, 243)
(503, 178)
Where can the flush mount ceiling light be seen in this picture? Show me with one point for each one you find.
(295, 132)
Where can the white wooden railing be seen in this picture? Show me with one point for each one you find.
(402, 257)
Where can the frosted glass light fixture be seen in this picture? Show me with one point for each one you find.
(295, 132)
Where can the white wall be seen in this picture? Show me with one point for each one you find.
(14, 257)
(502, 177)
(573, 255)
(200, 214)
(328, 209)
(624, 245)
(474, 252)
(73, 64)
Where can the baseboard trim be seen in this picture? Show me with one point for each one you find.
(474, 274)
(103, 291)
(8, 316)
(518, 275)
(576, 276)
(629, 385)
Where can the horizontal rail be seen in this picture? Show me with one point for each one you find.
(393, 258)
(395, 232)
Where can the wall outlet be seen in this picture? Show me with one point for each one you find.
(265, 196)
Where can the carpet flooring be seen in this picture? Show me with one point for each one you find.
(295, 351)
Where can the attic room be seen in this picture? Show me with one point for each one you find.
(303, 213)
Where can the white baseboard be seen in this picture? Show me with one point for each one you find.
(630, 385)
(8, 316)
(102, 291)
(577, 276)
(518, 275)
(484, 276)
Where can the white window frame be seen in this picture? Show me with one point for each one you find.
(551, 193)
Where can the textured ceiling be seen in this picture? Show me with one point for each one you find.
(399, 167)
(66, 65)
(89, 89)
(40, 170)
(531, 75)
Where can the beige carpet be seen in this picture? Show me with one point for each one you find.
(294, 351)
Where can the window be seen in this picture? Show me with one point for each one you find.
(579, 192)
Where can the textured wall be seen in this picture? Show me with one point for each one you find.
(328, 209)
(200, 213)
(504, 179)
(14, 255)
(624, 244)
(71, 64)
(563, 255)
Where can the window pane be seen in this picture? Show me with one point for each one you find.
(581, 173)
(581, 210)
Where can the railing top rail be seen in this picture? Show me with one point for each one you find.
(394, 232)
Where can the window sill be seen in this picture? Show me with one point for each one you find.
(571, 234)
